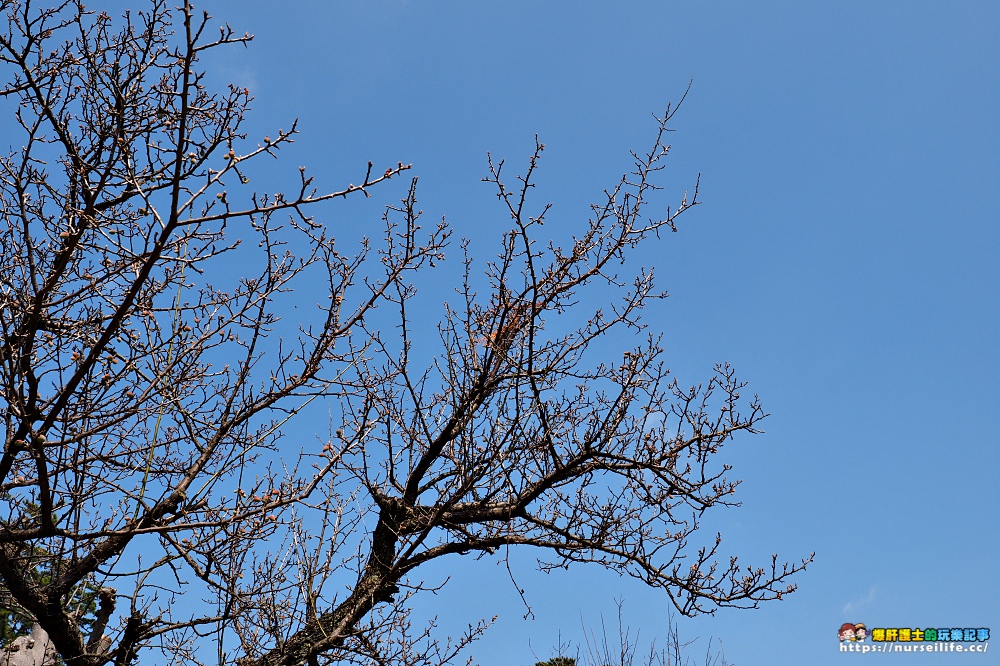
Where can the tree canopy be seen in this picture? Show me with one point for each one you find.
(151, 364)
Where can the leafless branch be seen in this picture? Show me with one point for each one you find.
(150, 364)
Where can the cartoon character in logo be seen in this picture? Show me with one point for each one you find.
(860, 632)
(846, 632)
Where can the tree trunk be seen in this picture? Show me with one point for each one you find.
(33, 650)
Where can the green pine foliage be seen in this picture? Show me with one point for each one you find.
(557, 661)
(17, 621)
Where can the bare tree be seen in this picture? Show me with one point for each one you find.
(150, 365)
(604, 650)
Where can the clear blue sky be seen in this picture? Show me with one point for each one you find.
(844, 261)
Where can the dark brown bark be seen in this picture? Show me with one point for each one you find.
(144, 386)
